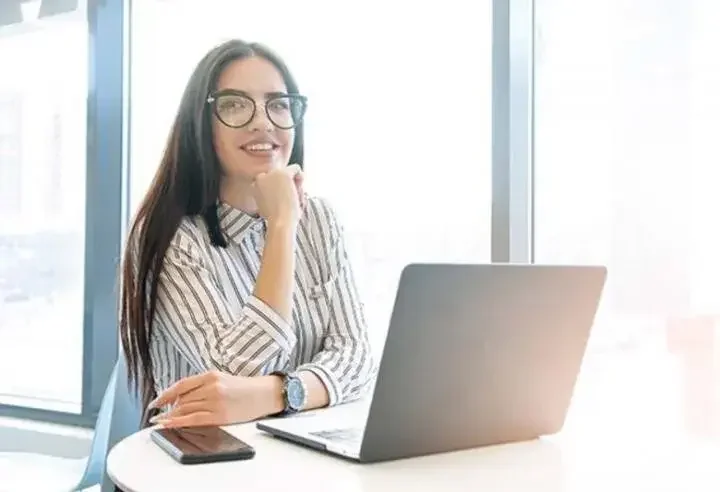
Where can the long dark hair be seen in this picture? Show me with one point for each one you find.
(187, 183)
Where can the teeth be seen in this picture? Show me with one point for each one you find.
(259, 146)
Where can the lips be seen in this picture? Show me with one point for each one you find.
(259, 147)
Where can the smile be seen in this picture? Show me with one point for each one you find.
(259, 147)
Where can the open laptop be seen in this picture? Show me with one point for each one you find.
(475, 355)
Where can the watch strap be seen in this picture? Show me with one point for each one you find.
(287, 410)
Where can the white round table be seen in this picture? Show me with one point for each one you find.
(137, 464)
(629, 429)
(549, 464)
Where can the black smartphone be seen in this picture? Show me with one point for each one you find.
(195, 445)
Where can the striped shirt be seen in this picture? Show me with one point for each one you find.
(207, 317)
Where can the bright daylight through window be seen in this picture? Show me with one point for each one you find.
(627, 115)
(42, 206)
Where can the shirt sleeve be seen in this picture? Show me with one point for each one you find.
(345, 364)
(197, 319)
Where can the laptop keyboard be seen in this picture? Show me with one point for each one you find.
(348, 435)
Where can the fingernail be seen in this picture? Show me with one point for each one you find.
(158, 417)
(153, 403)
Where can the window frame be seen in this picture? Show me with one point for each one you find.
(106, 207)
(513, 131)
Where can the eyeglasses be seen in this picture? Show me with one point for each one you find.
(236, 109)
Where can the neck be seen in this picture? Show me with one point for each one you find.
(238, 194)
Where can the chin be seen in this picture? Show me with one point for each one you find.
(254, 168)
(251, 172)
(249, 168)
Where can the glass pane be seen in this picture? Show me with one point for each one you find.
(397, 129)
(43, 92)
(627, 114)
(626, 174)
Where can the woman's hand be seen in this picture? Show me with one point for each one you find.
(217, 398)
(279, 194)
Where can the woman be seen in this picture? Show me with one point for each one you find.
(238, 300)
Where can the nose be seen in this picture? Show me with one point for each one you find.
(260, 122)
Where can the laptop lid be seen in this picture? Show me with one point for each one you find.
(478, 355)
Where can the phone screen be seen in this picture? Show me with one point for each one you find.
(202, 444)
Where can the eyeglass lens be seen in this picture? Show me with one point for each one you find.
(237, 110)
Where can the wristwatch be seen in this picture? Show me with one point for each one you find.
(294, 392)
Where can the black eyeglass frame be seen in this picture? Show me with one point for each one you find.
(214, 96)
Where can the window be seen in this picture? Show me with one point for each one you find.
(42, 217)
(10, 148)
(626, 115)
(405, 158)
(62, 146)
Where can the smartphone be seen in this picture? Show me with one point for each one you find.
(195, 445)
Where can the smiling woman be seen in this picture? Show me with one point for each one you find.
(377, 115)
(385, 114)
(238, 296)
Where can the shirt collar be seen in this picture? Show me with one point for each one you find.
(237, 223)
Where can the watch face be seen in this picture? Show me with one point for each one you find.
(295, 394)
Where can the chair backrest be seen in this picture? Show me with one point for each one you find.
(119, 417)
(126, 415)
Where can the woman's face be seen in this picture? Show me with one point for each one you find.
(259, 146)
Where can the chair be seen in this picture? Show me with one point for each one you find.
(125, 419)
(119, 417)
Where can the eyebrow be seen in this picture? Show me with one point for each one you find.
(245, 93)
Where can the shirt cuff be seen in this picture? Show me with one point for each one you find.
(327, 378)
(271, 322)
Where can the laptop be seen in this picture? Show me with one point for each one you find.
(475, 355)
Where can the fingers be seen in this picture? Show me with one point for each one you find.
(298, 176)
(191, 420)
(181, 410)
(294, 170)
(301, 194)
(181, 388)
